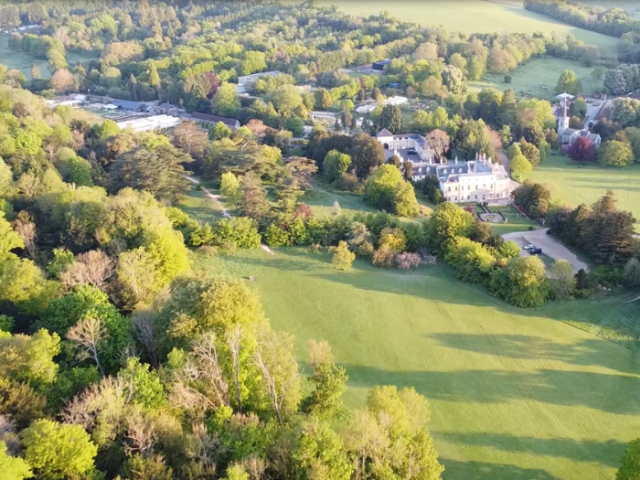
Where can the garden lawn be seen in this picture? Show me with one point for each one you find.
(514, 394)
(573, 184)
(470, 16)
(516, 222)
(538, 78)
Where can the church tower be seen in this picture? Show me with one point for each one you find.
(563, 122)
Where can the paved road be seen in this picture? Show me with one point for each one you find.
(550, 246)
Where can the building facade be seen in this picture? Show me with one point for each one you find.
(478, 180)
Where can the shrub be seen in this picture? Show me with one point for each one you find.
(607, 275)
(384, 257)
(407, 261)
(343, 257)
(393, 238)
(582, 280)
(242, 231)
(508, 78)
(632, 273)
(522, 282)
(203, 235)
(207, 250)
(276, 236)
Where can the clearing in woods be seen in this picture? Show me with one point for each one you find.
(514, 394)
(538, 78)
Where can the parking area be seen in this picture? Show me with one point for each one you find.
(550, 246)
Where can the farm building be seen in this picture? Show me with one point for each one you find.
(379, 66)
(232, 123)
(397, 100)
(72, 100)
(131, 106)
(156, 122)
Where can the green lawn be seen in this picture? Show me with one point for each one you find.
(22, 61)
(572, 185)
(471, 16)
(203, 209)
(538, 78)
(514, 394)
(516, 222)
(322, 200)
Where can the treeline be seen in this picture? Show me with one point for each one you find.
(613, 21)
(602, 231)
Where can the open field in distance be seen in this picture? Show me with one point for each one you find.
(471, 16)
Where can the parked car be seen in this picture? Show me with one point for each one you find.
(412, 151)
(535, 251)
(528, 247)
(550, 232)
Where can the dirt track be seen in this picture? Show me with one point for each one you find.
(550, 246)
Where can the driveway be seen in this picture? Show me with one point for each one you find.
(550, 246)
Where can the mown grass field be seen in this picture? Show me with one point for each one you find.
(538, 78)
(471, 16)
(514, 394)
(572, 184)
(22, 61)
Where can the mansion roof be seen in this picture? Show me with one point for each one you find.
(455, 171)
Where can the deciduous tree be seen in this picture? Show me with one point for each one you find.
(56, 451)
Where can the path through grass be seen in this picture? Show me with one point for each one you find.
(514, 394)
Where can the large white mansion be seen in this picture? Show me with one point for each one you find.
(460, 181)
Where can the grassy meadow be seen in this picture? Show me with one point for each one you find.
(514, 394)
(574, 184)
(538, 78)
(471, 16)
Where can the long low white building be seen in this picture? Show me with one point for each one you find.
(397, 100)
(144, 124)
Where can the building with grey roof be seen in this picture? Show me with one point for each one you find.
(478, 180)
(568, 135)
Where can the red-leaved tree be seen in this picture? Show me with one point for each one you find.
(582, 150)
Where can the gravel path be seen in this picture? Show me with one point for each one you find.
(210, 195)
(550, 246)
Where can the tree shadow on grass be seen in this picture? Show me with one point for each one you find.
(605, 453)
(457, 470)
(555, 387)
(585, 352)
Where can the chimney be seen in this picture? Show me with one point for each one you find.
(456, 160)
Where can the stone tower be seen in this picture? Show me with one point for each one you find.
(563, 122)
